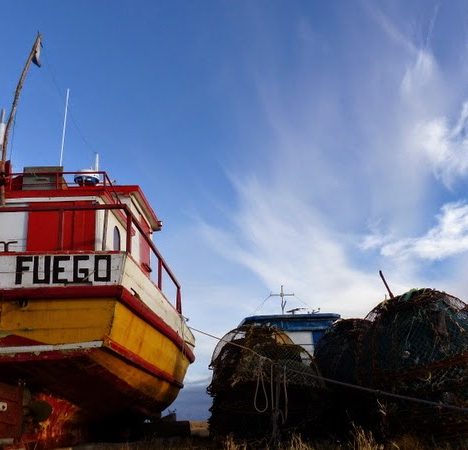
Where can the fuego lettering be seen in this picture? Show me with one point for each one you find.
(80, 274)
(107, 261)
(46, 277)
(63, 269)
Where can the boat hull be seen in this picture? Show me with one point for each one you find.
(100, 348)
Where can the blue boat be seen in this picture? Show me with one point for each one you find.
(304, 329)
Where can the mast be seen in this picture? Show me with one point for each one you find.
(32, 58)
(282, 295)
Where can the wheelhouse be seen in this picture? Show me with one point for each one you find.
(63, 228)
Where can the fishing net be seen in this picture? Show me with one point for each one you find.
(418, 346)
(414, 345)
(420, 337)
(337, 353)
(262, 383)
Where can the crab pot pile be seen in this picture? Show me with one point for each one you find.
(338, 355)
(262, 384)
(418, 346)
(338, 352)
(413, 345)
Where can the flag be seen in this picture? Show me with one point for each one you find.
(37, 51)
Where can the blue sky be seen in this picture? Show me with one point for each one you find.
(301, 143)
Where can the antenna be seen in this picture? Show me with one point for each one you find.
(64, 126)
(2, 126)
(282, 295)
(96, 162)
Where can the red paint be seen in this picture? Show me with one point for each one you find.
(64, 427)
(11, 419)
(51, 355)
(130, 219)
(55, 355)
(14, 189)
(134, 304)
(15, 341)
(145, 261)
(91, 392)
(43, 230)
(61, 229)
(83, 382)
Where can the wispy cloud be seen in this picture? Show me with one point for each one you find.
(447, 238)
(334, 153)
(298, 219)
(285, 241)
(389, 27)
(445, 146)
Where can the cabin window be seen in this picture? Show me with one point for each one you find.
(116, 239)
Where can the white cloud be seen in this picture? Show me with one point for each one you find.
(296, 218)
(333, 154)
(388, 27)
(445, 147)
(285, 241)
(420, 73)
(448, 238)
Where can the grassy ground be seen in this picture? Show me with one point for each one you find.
(361, 440)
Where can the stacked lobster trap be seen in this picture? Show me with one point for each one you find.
(418, 346)
(401, 370)
(262, 385)
(414, 345)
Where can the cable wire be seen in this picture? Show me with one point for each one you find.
(377, 392)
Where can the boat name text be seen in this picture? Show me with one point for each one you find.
(64, 269)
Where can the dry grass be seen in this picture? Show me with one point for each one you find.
(361, 440)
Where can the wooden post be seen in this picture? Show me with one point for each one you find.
(386, 285)
(11, 117)
(128, 244)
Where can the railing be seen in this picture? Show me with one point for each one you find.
(59, 180)
(130, 219)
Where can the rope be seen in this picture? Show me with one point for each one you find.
(285, 391)
(275, 409)
(260, 378)
(261, 304)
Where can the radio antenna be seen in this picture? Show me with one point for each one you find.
(282, 295)
(64, 126)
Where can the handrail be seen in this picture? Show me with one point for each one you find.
(106, 182)
(131, 221)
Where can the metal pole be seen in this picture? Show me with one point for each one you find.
(64, 127)
(282, 295)
(11, 117)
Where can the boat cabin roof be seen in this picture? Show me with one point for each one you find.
(294, 321)
(52, 182)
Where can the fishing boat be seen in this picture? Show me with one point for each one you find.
(303, 328)
(91, 324)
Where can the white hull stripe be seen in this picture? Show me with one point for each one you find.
(50, 348)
